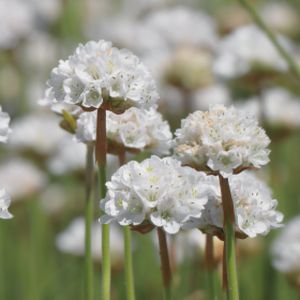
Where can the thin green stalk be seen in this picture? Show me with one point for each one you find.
(101, 148)
(129, 277)
(229, 232)
(89, 210)
(209, 264)
(283, 52)
(165, 263)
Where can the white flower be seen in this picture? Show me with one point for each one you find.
(181, 32)
(285, 249)
(71, 240)
(4, 126)
(96, 68)
(21, 179)
(38, 132)
(222, 139)
(155, 190)
(280, 108)
(135, 128)
(238, 53)
(4, 204)
(254, 207)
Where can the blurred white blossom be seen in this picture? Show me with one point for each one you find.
(237, 53)
(222, 139)
(285, 249)
(4, 204)
(71, 241)
(4, 126)
(156, 190)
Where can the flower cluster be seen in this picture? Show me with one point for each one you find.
(135, 128)
(156, 190)
(97, 72)
(286, 248)
(254, 207)
(4, 126)
(222, 139)
(4, 204)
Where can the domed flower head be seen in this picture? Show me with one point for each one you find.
(135, 128)
(254, 207)
(4, 126)
(98, 72)
(285, 249)
(156, 191)
(4, 204)
(222, 139)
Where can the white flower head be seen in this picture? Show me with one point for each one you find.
(97, 72)
(285, 249)
(4, 204)
(156, 190)
(135, 128)
(237, 53)
(222, 139)
(254, 207)
(4, 126)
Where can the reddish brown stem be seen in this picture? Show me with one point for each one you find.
(209, 253)
(101, 141)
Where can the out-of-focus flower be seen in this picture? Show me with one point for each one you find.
(285, 249)
(254, 207)
(21, 178)
(222, 139)
(237, 53)
(156, 190)
(71, 241)
(4, 126)
(96, 71)
(281, 108)
(175, 26)
(211, 95)
(16, 22)
(38, 132)
(4, 204)
(281, 16)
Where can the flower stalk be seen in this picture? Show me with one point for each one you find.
(165, 263)
(283, 52)
(101, 148)
(209, 265)
(129, 276)
(89, 210)
(229, 232)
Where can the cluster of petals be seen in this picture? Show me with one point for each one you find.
(222, 139)
(285, 249)
(255, 209)
(98, 71)
(4, 204)
(135, 128)
(4, 126)
(159, 191)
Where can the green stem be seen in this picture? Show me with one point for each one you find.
(101, 148)
(209, 264)
(229, 232)
(129, 277)
(89, 210)
(283, 52)
(165, 263)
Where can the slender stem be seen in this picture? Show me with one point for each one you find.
(165, 263)
(229, 224)
(209, 264)
(89, 210)
(129, 277)
(101, 147)
(283, 52)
